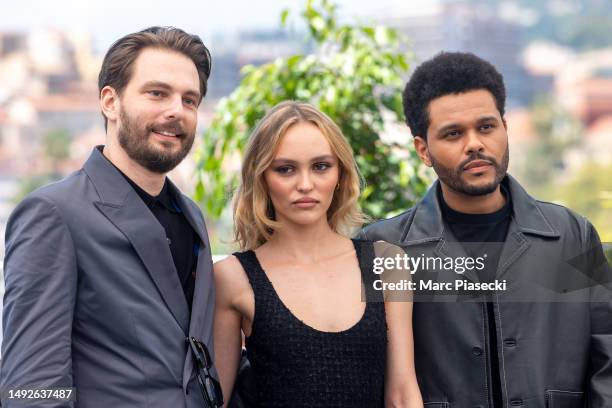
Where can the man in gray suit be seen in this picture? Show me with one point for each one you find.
(108, 272)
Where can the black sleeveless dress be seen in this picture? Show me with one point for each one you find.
(295, 365)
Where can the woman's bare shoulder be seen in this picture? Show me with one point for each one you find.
(229, 272)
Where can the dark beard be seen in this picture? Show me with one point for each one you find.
(135, 141)
(452, 177)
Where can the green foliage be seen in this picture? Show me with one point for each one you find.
(354, 76)
(556, 132)
(55, 149)
(588, 192)
(31, 183)
(56, 145)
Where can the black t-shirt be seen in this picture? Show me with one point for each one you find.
(481, 234)
(183, 241)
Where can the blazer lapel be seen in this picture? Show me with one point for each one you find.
(148, 238)
(124, 208)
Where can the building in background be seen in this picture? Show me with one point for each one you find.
(584, 85)
(47, 84)
(248, 47)
(479, 29)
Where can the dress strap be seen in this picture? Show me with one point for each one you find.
(267, 303)
(253, 270)
(365, 256)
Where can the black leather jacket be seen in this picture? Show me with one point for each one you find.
(551, 354)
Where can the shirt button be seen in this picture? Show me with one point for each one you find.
(477, 351)
(510, 342)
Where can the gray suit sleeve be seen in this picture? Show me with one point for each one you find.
(40, 279)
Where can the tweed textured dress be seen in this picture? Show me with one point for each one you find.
(295, 365)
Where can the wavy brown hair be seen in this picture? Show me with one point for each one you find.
(254, 220)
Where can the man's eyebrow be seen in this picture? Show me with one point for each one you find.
(448, 127)
(159, 84)
(487, 119)
(452, 126)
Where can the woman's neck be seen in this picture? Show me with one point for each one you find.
(304, 244)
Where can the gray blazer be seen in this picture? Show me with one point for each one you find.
(93, 300)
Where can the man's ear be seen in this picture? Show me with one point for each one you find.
(420, 145)
(109, 103)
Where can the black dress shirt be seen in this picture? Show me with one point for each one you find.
(183, 241)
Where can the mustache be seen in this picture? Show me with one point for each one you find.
(171, 127)
(478, 156)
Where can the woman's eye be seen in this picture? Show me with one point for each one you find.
(321, 166)
(284, 169)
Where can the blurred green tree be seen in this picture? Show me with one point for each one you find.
(588, 190)
(589, 193)
(56, 144)
(31, 183)
(55, 149)
(556, 132)
(355, 76)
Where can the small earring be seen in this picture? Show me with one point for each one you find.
(338, 186)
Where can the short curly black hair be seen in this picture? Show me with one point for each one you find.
(448, 73)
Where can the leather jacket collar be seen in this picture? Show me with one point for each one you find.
(427, 224)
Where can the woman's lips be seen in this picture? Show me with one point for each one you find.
(305, 203)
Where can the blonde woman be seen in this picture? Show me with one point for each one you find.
(296, 289)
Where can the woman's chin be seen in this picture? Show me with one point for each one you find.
(305, 219)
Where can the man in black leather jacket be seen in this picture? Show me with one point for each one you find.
(546, 339)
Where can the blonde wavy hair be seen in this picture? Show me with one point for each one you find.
(254, 220)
